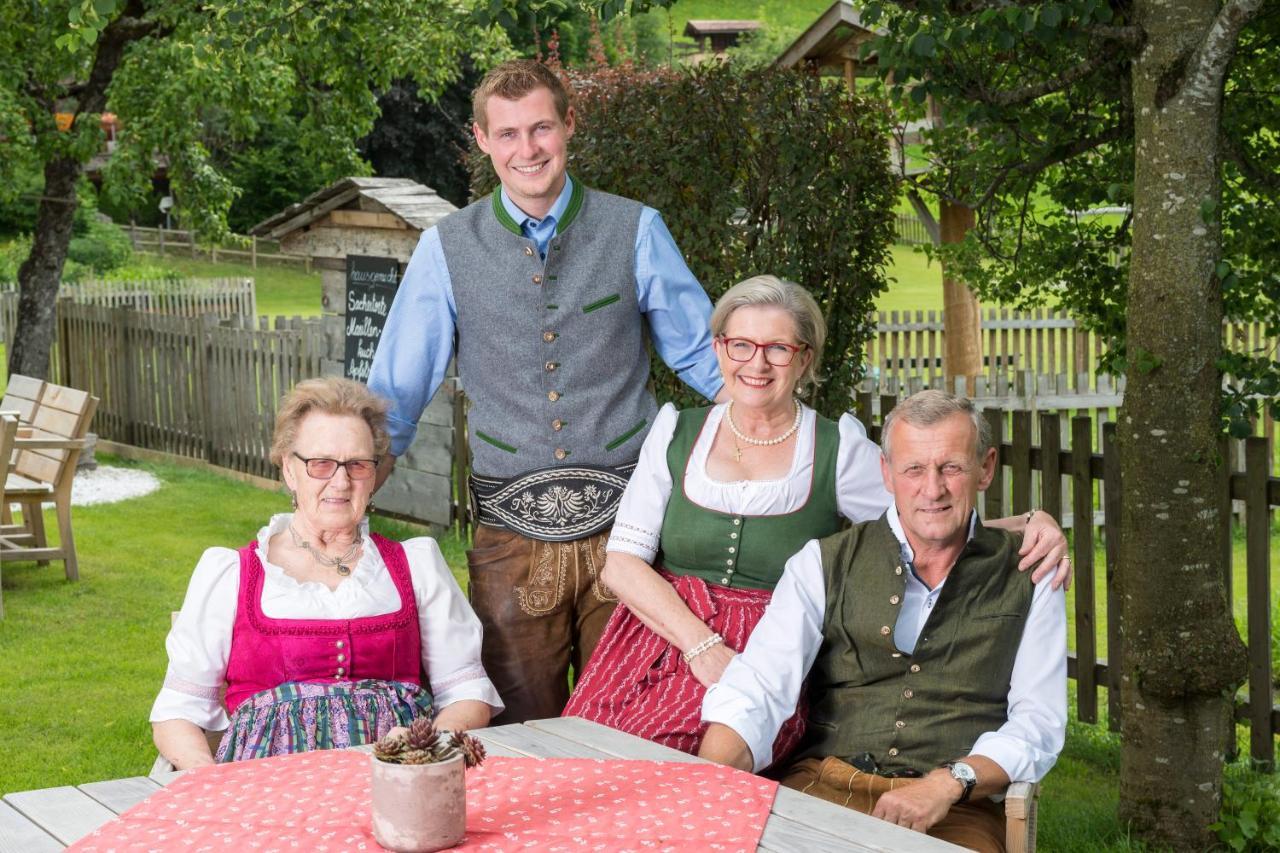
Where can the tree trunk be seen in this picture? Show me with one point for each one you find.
(41, 273)
(1183, 658)
(961, 319)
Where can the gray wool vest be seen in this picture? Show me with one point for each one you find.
(551, 353)
(914, 710)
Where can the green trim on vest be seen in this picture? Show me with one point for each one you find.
(601, 303)
(746, 551)
(576, 196)
(504, 218)
(920, 709)
(626, 436)
(501, 445)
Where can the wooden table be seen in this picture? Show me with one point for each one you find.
(51, 818)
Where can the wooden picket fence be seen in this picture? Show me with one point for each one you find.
(192, 297)
(193, 386)
(1059, 461)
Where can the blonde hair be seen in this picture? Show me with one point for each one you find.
(330, 395)
(769, 290)
(514, 79)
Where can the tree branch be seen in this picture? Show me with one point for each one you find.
(1072, 75)
(1209, 63)
(118, 35)
(1133, 36)
(1262, 177)
(1058, 155)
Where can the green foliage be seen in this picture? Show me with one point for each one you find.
(1028, 142)
(1250, 817)
(103, 248)
(753, 172)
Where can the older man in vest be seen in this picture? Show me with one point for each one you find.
(936, 670)
(547, 288)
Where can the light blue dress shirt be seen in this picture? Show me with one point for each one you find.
(418, 340)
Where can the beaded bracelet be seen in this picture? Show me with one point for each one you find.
(713, 640)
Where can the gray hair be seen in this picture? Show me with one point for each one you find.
(769, 290)
(926, 408)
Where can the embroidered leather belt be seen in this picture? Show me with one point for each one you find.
(556, 504)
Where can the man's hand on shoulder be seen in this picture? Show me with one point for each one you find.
(921, 803)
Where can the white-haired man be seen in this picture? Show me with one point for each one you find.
(936, 670)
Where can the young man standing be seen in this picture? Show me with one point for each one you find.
(546, 287)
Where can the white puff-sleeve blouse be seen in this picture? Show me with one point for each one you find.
(199, 644)
(860, 491)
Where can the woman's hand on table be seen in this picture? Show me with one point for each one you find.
(709, 666)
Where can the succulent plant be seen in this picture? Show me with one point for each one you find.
(423, 743)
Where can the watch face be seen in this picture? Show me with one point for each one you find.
(963, 772)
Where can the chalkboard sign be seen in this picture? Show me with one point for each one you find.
(371, 286)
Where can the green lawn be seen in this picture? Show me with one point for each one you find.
(280, 290)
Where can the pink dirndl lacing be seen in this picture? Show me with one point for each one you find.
(639, 683)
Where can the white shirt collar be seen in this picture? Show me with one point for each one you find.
(895, 524)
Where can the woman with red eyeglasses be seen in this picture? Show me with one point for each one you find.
(720, 499)
(323, 634)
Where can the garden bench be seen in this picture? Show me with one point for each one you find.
(41, 471)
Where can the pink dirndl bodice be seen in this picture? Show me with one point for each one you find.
(266, 652)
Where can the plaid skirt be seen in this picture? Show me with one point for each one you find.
(301, 716)
(639, 683)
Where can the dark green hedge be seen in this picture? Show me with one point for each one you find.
(753, 172)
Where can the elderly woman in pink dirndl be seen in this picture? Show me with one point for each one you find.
(322, 634)
(720, 498)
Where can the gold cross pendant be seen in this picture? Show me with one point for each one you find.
(737, 453)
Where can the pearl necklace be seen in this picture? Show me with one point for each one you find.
(339, 564)
(758, 442)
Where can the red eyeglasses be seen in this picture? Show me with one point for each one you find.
(775, 352)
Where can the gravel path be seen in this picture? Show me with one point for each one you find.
(105, 485)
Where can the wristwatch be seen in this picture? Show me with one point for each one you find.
(965, 775)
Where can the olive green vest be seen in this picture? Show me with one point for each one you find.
(914, 710)
(745, 551)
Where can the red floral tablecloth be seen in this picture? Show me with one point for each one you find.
(319, 801)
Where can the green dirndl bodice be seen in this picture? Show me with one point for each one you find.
(737, 550)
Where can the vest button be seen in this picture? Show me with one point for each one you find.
(557, 425)
(553, 395)
(340, 672)
(341, 658)
(915, 667)
(737, 521)
(537, 279)
(896, 655)
(528, 251)
(893, 751)
(893, 599)
(549, 337)
(898, 570)
(728, 562)
(551, 365)
(732, 550)
(339, 644)
(884, 630)
(733, 535)
(724, 581)
(561, 453)
(899, 725)
(907, 694)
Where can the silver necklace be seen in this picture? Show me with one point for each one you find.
(339, 564)
(758, 442)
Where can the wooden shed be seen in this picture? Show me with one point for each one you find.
(722, 34)
(360, 234)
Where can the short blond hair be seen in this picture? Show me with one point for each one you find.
(769, 290)
(514, 79)
(330, 395)
(932, 406)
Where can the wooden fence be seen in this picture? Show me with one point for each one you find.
(908, 347)
(223, 297)
(193, 386)
(174, 241)
(1055, 461)
(910, 231)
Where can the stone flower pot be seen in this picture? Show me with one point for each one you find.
(418, 808)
